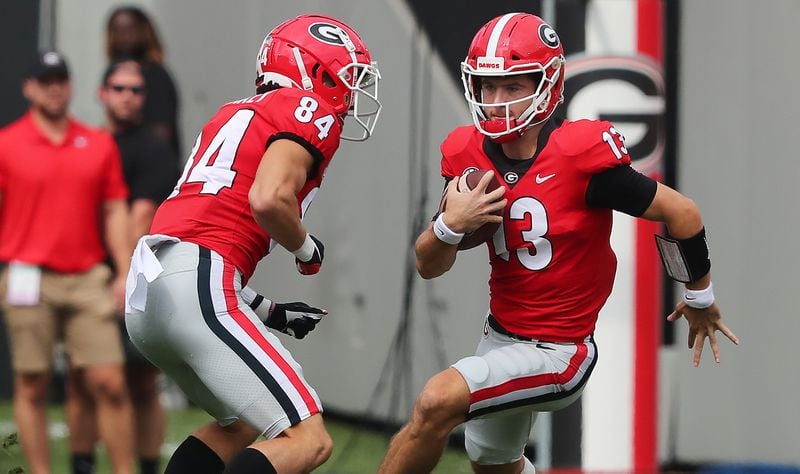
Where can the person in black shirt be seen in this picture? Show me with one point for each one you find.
(130, 34)
(151, 170)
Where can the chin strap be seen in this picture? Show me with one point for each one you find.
(499, 126)
(301, 67)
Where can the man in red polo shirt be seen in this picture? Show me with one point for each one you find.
(59, 181)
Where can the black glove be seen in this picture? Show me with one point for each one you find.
(295, 319)
(313, 264)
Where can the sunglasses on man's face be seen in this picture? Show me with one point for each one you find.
(119, 88)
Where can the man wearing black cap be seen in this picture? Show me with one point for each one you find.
(58, 179)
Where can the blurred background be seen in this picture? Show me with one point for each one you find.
(705, 93)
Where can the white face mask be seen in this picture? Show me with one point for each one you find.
(541, 99)
(365, 107)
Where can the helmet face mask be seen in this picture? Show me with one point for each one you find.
(510, 45)
(323, 55)
(363, 105)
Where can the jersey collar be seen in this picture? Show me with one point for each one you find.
(504, 164)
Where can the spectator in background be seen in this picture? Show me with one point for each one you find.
(59, 180)
(131, 35)
(151, 170)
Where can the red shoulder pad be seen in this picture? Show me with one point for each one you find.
(595, 145)
(453, 147)
(305, 114)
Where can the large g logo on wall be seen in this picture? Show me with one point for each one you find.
(627, 91)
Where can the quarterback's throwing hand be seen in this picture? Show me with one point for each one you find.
(308, 258)
(703, 323)
(295, 319)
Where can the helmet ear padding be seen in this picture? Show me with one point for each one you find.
(327, 80)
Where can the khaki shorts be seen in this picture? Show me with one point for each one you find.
(77, 307)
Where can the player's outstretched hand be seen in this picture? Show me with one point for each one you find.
(313, 262)
(295, 319)
(703, 323)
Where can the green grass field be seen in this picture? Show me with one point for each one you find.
(364, 451)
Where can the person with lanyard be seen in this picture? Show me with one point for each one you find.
(62, 211)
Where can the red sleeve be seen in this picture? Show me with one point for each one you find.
(595, 145)
(306, 118)
(114, 186)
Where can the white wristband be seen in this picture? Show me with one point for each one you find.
(699, 299)
(444, 233)
(306, 251)
(249, 295)
(263, 306)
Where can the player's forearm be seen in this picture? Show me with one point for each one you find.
(678, 212)
(276, 214)
(117, 235)
(434, 257)
(683, 220)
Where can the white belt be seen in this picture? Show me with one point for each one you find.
(145, 268)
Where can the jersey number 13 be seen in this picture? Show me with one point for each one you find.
(541, 253)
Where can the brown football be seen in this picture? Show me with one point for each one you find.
(466, 183)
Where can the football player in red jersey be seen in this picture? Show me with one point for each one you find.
(252, 173)
(552, 264)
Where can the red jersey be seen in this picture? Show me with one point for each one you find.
(52, 195)
(210, 206)
(552, 264)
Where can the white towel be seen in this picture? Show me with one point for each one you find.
(145, 268)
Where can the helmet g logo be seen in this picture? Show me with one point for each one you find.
(328, 33)
(548, 35)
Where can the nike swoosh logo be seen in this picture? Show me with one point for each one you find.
(542, 179)
(690, 298)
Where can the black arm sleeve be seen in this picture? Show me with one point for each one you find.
(622, 189)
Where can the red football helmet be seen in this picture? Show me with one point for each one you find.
(512, 44)
(324, 55)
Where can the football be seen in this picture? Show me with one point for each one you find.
(466, 183)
